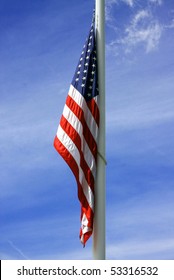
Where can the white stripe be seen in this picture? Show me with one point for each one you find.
(68, 143)
(84, 223)
(96, 98)
(76, 124)
(71, 147)
(79, 99)
(73, 120)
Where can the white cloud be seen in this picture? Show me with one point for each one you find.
(170, 25)
(141, 249)
(158, 2)
(143, 29)
(52, 232)
(140, 16)
(109, 5)
(136, 118)
(17, 250)
(129, 2)
(70, 255)
(143, 227)
(145, 108)
(111, 2)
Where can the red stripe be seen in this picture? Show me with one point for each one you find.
(85, 208)
(93, 107)
(75, 137)
(76, 109)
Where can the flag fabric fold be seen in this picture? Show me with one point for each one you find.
(77, 134)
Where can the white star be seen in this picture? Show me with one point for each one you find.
(82, 85)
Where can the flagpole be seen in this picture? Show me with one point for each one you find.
(99, 216)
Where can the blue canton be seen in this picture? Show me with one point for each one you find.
(85, 78)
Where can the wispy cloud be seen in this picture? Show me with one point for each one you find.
(143, 110)
(71, 254)
(44, 238)
(142, 249)
(143, 30)
(111, 3)
(19, 252)
(157, 2)
(170, 25)
(128, 2)
(143, 26)
(27, 132)
(143, 225)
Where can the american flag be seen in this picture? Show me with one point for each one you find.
(77, 134)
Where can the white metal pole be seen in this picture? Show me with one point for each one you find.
(99, 215)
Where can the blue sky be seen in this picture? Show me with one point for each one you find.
(40, 44)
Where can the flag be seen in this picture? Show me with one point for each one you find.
(77, 134)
